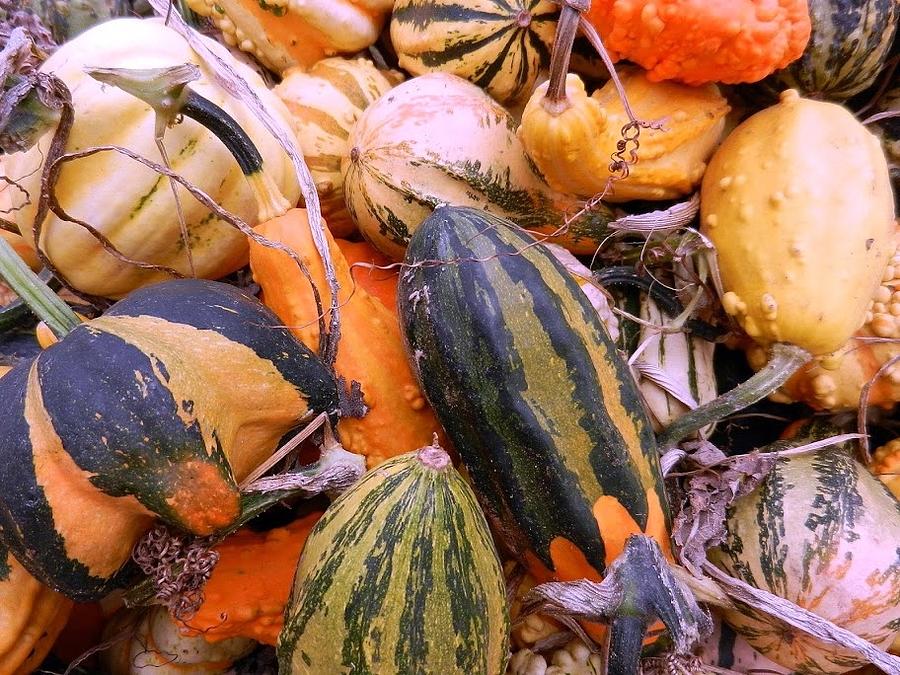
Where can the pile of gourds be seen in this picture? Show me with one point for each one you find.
(528, 294)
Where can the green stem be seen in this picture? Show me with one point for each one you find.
(784, 361)
(48, 306)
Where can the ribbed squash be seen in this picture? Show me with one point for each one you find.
(822, 532)
(148, 642)
(130, 204)
(572, 142)
(801, 248)
(249, 587)
(850, 41)
(400, 575)
(500, 45)
(370, 352)
(438, 139)
(378, 283)
(324, 103)
(160, 407)
(285, 34)
(530, 389)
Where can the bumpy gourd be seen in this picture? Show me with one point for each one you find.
(572, 141)
(364, 260)
(130, 204)
(886, 465)
(801, 248)
(285, 34)
(324, 103)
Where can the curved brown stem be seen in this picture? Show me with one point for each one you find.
(566, 30)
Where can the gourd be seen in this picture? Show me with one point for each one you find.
(249, 587)
(500, 46)
(798, 535)
(886, 466)
(325, 102)
(438, 139)
(399, 575)
(381, 284)
(286, 34)
(148, 642)
(572, 137)
(724, 648)
(574, 658)
(132, 416)
(130, 204)
(21, 247)
(701, 41)
(531, 391)
(849, 43)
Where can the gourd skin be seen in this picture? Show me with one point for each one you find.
(573, 149)
(381, 284)
(286, 34)
(801, 248)
(132, 415)
(324, 103)
(130, 204)
(799, 535)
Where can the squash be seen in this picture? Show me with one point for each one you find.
(850, 41)
(130, 204)
(370, 351)
(132, 416)
(701, 41)
(249, 587)
(724, 648)
(822, 532)
(153, 645)
(886, 465)
(572, 140)
(529, 387)
(381, 284)
(501, 46)
(284, 34)
(438, 139)
(777, 212)
(324, 103)
(399, 575)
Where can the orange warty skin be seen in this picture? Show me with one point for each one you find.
(700, 41)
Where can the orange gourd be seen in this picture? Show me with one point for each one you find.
(700, 41)
(371, 351)
(886, 465)
(379, 283)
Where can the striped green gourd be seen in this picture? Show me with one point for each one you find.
(849, 44)
(524, 378)
(156, 409)
(822, 532)
(400, 575)
(500, 45)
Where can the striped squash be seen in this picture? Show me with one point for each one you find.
(438, 139)
(500, 45)
(399, 575)
(850, 42)
(160, 407)
(531, 391)
(822, 532)
(324, 102)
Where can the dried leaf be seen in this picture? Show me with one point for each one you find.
(668, 220)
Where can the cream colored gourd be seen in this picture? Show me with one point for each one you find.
(325, 103)
(572, 141)
(798, 204)
(130, 204)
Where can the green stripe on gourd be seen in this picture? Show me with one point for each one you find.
(400, 575)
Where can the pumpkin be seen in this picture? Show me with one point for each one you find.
(153, 645)
(284, 34)
(776, 212)
(438, 139)
(849, 43)
(133, 416)
(370, 352)
(247, 592)
(501, 46)
(572, 140)
(399, 575)
(364, 260)
(700, 41)
(324, 103)
(531, 390)
(130, 204)
(822, 532)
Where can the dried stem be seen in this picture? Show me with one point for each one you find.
(865, 453)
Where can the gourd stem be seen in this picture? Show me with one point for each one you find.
(785, 360)
(566, 30)
(48, 306)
